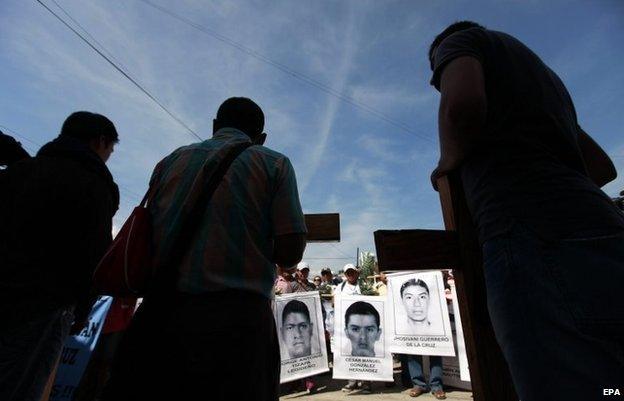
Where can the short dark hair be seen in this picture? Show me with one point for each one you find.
(362, 308)
(87, 126)
(451, 29)
(295, 306)
(414, 282)
(325, 272)
(241, 113)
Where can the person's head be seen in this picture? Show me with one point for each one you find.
(383, 278)
(244, 115)
(415, 298)
(363, 328)
(328, 312)
(95, 130)
(351, 273)
(297, 329)
(451, 29)
(326, 275)
(304, 268)
(317, 280)
(282, 272)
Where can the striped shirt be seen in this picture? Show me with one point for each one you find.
(256, 201)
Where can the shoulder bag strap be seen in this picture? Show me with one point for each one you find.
(166, 279)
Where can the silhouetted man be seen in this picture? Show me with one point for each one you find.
(56, 214)
(550, 236)
(213, 332)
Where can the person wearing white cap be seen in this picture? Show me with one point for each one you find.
(304, 268)
(350, 286)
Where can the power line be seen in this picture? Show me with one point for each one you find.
(112, 57)
(293, 73)
(112, 63)
(340, 251)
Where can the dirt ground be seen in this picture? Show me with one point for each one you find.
(330, 389)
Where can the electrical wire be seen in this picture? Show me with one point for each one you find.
(118, 68)
(288, 70)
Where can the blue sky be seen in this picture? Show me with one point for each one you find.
(348, 159)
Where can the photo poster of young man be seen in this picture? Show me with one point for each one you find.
(418, 316)
(361, 349)
(299, 321)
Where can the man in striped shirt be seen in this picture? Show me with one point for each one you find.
(215, 332)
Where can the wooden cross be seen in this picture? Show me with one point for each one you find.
(323, 227)
(455, 248)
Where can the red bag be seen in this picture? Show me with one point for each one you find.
(127, 267)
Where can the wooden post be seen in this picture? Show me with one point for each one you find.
(323, 227)
(455, 248)
(488, 369)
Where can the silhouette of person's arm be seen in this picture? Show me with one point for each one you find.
(288, 249)
(599, 166)
(462, 112)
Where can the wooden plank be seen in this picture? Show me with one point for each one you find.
(491, 380)
(323, 227)
(416, 249)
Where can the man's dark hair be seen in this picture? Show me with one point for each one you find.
(325, 272)
(451, 29)
(361, 308)
(414, 282)
(241, 113)
(11, 151)
(295, 306)
(87, 126)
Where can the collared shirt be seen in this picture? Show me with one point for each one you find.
(256, 201)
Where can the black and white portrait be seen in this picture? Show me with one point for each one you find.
(363, 328)
(418, 320)
(299, 321)
(417, 307)
(360, 331)
(297, 327)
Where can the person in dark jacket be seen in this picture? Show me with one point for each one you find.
(56, 214)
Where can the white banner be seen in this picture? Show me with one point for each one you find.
(299, 321)
(418, 320)
(327, 302)
(459, 338)
(361, 349)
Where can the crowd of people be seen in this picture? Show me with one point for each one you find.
(531, 177)
(348, 282)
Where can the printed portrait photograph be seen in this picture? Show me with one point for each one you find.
(298, 328)
(363, 329)
(418, 305)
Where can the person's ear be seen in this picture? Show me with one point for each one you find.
(259, 139)
(378, 334)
